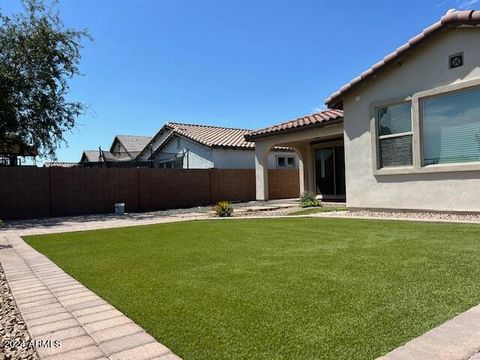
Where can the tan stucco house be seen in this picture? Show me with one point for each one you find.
(405, 134)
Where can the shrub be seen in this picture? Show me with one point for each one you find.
(308, 200)
(223, 209)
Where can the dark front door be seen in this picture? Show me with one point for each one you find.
(330, 170)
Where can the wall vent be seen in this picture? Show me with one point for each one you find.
(455, 61)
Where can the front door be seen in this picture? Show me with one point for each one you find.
(330, 171)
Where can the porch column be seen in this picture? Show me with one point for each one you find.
(301, 175)
(261, 170)
(303, 153)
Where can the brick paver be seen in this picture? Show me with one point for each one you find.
(57, 307)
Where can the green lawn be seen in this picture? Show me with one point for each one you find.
(316, 210)
(294, 288)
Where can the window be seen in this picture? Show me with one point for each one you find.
(451, 128)
(395, 135)
(285, 161)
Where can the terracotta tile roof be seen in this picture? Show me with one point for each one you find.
(213, 136)
(317, 119)
(451, 19)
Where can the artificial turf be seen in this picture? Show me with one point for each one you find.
(278, 288)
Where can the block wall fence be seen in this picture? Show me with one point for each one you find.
(29, 192)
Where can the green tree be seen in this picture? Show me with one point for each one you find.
(38, 56)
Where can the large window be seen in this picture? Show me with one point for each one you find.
(395, 135)
(451, 128)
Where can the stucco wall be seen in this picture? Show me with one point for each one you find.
(245, 159)
(199, 156)
(425, 69)
(202, 157)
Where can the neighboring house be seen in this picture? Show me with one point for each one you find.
(13, 150)
(191, 146)
(124, 149)
(410, 131)
(128, 147)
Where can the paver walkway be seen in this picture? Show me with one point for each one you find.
(56, 307)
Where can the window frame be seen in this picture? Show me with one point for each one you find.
(391, 136)
(417, 126)
(286, 166)
(376, 137)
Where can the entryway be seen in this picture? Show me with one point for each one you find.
(330, 171)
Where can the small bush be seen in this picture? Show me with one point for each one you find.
(308, 200)
(223, 209)
(2, 222)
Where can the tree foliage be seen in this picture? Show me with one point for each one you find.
(38, 57)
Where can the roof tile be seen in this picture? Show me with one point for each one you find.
(213, 136)
(316, 119)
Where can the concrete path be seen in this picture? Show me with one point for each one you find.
(108, 221)
(91, 222)
(457, 339)
(56, 307)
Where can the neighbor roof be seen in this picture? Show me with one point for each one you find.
(322, 118)
(452, 19)
(132, 143)
(213, 136)
(62, 164)
(94, 155)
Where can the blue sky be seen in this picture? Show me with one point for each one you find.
(238, 63)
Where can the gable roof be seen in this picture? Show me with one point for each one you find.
(322, 118)
(94, 156)
(452, 19)
(90, 155)
(133, 144)
(212, 136)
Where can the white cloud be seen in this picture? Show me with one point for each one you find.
(466, 4)
(318, 109)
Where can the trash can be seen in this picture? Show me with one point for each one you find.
(119, 208)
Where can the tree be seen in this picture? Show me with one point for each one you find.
(38, 56)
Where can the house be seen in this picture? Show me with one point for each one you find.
(123, 151)
(13, 149)
(407, 129)
(190, 146)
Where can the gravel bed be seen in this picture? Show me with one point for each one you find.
(420, 216)
(14, 337)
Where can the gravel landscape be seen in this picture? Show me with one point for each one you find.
(419, 216)
(12, 327)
